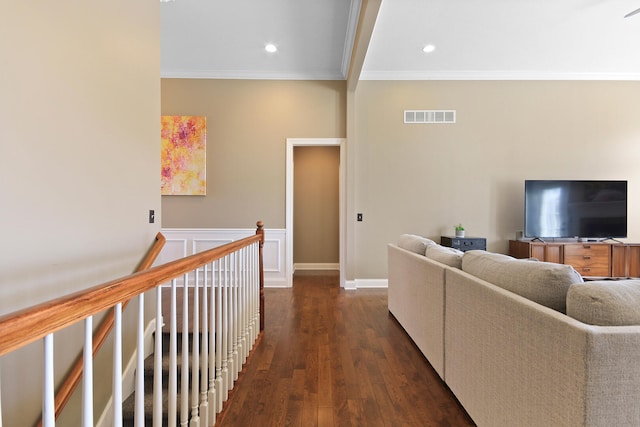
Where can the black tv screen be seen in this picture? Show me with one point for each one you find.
(584, 209)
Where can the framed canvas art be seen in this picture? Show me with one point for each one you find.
(184, 155)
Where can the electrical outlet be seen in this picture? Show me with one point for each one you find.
(359, 217)
(152, 216)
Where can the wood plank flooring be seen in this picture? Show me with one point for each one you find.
(330, 357)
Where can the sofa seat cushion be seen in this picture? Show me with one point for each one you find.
(414, 243)
(605, 302)
(543, 282)
(448, 256)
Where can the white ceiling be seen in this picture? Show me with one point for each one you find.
(490, 39)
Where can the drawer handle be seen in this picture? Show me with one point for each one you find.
(586, 246)
(586, 269)
(586, 257)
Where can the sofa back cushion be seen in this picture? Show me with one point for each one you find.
(605, 303)
(414, 243)
(448, 256)
(543, 282)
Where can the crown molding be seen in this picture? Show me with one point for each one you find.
(249, 75)
(496, 75)
(404, 75)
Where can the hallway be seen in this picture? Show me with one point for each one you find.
(332, 357)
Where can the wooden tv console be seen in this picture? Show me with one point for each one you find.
(590, 259)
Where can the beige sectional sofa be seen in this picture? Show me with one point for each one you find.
(520, 342)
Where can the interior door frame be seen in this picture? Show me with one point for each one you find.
(314, 142)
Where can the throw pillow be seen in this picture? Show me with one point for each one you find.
(448, 256)
(605, 302)
(414, 243)
(546, 283)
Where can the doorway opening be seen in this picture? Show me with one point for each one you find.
(315, 208)
(289, 220)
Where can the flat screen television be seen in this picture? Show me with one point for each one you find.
(569, 208)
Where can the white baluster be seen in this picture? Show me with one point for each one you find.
(157, 363)
(0, 396)
(220, 385)
(242, 339)
(225, 332)
(257, 287)
(117, 366)
(250, 295)
(255, 292)
(195, 354)
(245, 305)
(230, 338)
(87, 376)
(237, 334)
(184, 374)
(48, 397)
(173, 361)
(139, 388)
(204, 364)
(213, 399)
(234, 318)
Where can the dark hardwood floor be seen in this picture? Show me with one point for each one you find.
(334, 357)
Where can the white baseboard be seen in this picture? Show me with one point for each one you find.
(276, 284)
(316, 266)
(371, 283)
(366, 284)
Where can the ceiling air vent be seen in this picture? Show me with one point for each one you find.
(429, 116)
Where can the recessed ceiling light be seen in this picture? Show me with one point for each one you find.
(428, 48)
(270, 48)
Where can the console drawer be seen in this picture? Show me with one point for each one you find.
(589, 259)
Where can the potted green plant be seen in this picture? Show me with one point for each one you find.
(459, 230)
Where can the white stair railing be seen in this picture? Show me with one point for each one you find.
(220, 330)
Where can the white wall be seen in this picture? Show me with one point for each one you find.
(79, 156)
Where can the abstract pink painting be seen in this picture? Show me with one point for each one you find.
(184, 159)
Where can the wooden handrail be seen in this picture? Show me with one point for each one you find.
(100, 335)
(153, 253)
(25, 326)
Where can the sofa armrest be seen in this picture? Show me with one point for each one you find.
(511, 361)
(416, 300)
(613, 376)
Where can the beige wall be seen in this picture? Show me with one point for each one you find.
(424, 179)
(248, 122)
(79, 156)
(315, 205)
(408, 178)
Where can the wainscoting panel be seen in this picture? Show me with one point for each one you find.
(174, 248)
(183, 242)
(201, 245)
